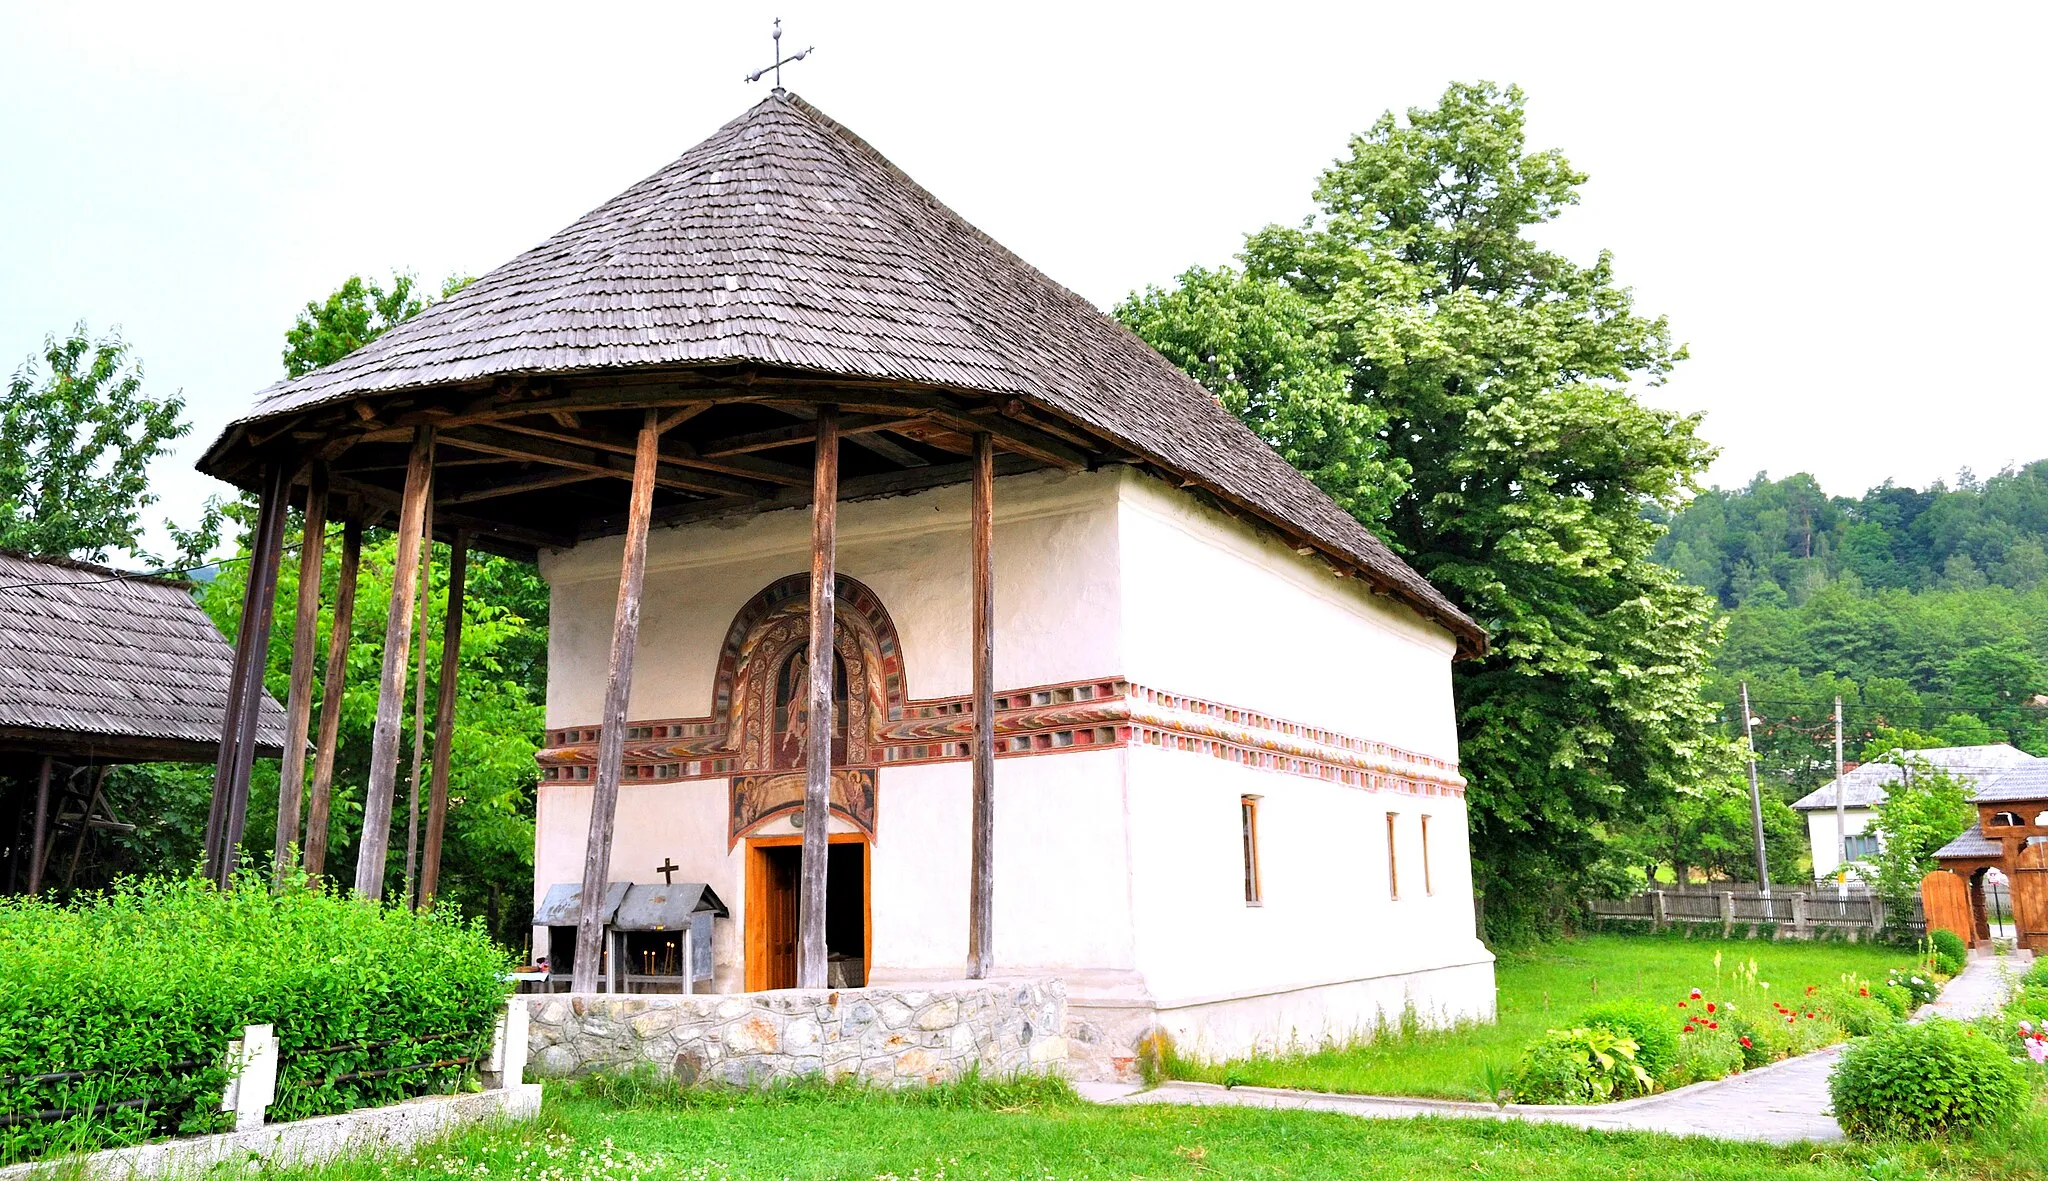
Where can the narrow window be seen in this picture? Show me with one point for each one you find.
(1427, 886)
(1393, 872)
(1249, 806)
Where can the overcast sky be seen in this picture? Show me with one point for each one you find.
(1837, 205)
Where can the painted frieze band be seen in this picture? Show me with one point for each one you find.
(1048, 719)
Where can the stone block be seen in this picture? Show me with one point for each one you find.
(653, 1024)
(895, 1011)
(940, 1015)
(757, 1034)
(916, 1063)
(801, 1034)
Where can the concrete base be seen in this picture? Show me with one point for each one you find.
(1106, 1023)
(302, 1142)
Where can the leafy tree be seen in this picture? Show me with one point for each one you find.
(1255, 343)
(1522, 474)
(1710, 829)
(354, 315)
(77, 434)
(1926, 810)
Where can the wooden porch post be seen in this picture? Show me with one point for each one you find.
(39, 835)
(245, 692)
(611, 739)
(444, 719)
(298, 708)
(810, 943)
(419, 704)
(981, 881)
(314, 852)
(376, 842)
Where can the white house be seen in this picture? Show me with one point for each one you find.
(1864, 788)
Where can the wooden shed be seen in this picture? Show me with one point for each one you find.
(98, 667)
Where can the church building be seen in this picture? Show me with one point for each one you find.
(1113, 693)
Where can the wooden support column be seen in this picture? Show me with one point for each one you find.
(611, 740)
(444, 719)
(314, 851)
(92, 803)
(298, 709)
(245, 690)
(39, 835)
(419, 704)
(982, 872)
(412, 511)
(810, 942)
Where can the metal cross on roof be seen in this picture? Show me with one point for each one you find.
(798, 56)
(667, 869)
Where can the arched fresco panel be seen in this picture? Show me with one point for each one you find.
(758, 706)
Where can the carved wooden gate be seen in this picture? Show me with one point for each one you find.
(1947, 902)
(2030, 896)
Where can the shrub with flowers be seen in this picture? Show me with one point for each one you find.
(1918, 983)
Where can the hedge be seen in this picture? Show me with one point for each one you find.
(116, 1009)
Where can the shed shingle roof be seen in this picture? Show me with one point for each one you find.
(90, 657)
(785, 240)
(1973, 843)
(2022, 781)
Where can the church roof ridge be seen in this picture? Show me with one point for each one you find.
(786, 240)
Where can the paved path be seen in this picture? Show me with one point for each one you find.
(1784, 1102)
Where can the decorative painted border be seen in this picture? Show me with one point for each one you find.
(1046, 719)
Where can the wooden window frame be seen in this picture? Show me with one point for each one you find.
(1393, 861)
(1428, 886)
(1248, 814)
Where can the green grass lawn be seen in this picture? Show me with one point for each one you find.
(1540, 990)
(1043, 1132)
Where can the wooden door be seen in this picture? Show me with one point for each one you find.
(772, 879)
(2030, 896)
(1947, 903)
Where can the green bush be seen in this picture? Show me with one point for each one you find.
(137, 992)
(1920, 1081)
(1898, 1000)
(1654, 1031)
(1583, 1065)
(1918, 985)
(1949, 948)
(1856, 1007)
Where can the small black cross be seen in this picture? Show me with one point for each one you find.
(780, 60)
(667, 869)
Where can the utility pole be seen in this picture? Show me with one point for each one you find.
(1756, 801)
(1841, 810)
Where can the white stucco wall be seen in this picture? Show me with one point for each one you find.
(1821, 838)
(1058, 604)
(1215, 610)
(1118, 869)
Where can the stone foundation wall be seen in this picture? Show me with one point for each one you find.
(890, 1036)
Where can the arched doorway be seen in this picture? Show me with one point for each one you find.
(759, 704)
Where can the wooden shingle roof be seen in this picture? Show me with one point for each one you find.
(785, 241)
(118, 667)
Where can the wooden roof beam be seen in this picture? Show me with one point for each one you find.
(806, 432)
(534, 483)
(676, 452)
(526, 538)
(522, 446)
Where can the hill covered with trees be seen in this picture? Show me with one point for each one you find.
(1925, 609)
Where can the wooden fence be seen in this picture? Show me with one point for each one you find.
(1810, 913)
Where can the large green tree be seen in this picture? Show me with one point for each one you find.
(1517, 469)
(77, 434)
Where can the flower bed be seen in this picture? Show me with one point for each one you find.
(1738, 1024)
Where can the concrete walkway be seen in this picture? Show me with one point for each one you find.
(1781, 1103)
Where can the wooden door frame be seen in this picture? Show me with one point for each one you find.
(756, 950)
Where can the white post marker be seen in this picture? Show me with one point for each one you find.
(507, 1064)
(252, 1079)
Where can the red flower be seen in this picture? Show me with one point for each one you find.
(1710, 1006)
(1713, 1025)
(1809, 1016)
(1745, 1042)
(1810, 988)
(1681, 1004)
(1863, 992)
(1695, 994)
